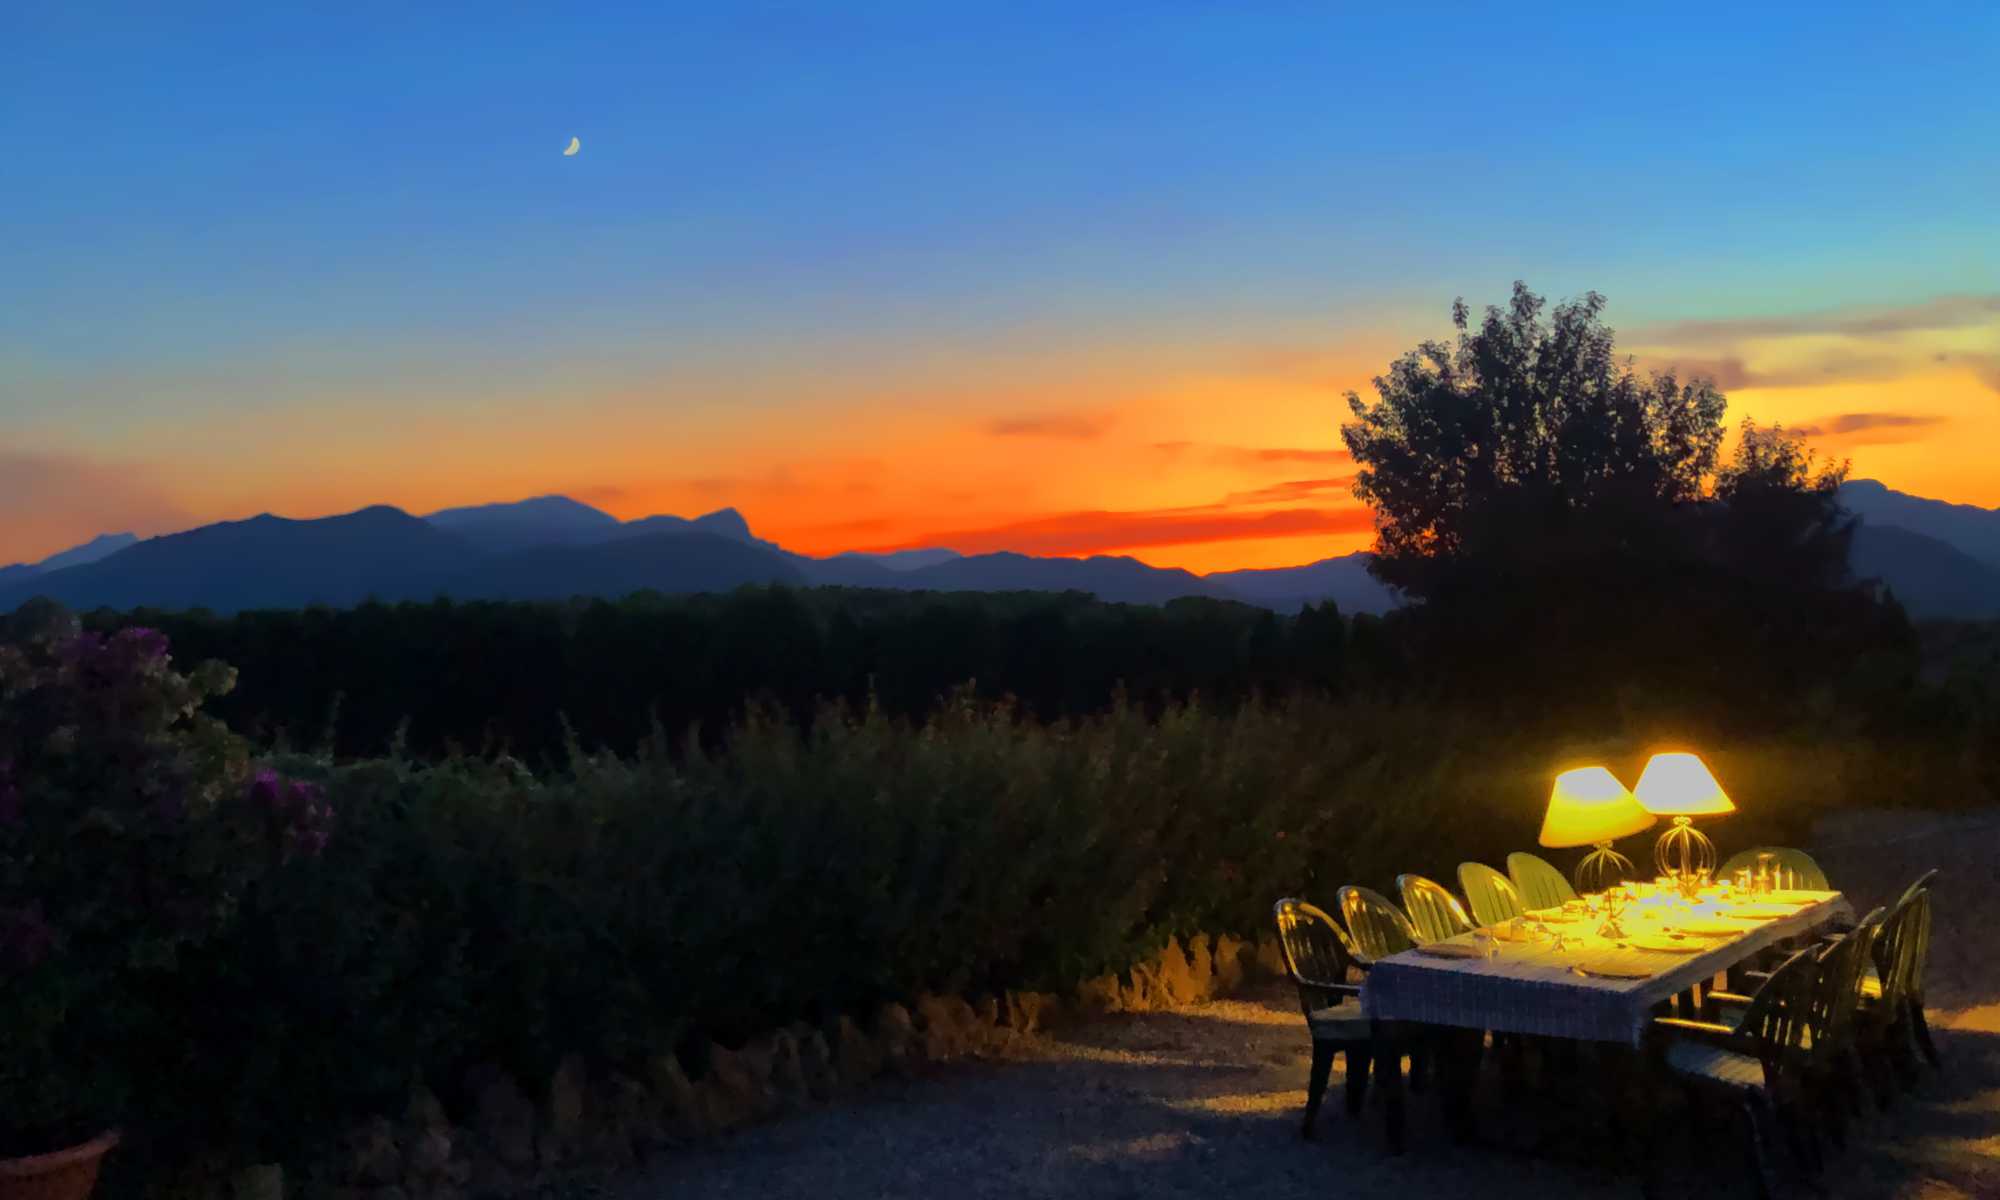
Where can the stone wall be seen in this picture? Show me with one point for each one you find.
(510, 1142)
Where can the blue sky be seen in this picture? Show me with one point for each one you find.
(241, 226)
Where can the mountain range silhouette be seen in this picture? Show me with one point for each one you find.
(1941, 560)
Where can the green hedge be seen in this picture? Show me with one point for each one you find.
(470, 911)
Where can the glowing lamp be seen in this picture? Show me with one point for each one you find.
(1589, 807)
(1679, 785)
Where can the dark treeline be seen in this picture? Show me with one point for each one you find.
(499, 677)
(517, 678)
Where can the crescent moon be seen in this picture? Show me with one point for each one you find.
(575, 144)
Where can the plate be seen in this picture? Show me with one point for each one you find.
(1710, 928)
(1757, 912)
(1661, 943)
(1611, 970)
(1451, 950)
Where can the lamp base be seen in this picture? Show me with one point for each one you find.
(1684, 853)
(1600, 869)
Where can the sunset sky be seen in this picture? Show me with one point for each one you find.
(1058, 278)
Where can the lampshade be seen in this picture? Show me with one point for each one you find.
(1679, 785)
(1588, 806)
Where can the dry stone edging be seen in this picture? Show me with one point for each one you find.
(507, 1145)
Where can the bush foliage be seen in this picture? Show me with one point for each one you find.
(399, 919)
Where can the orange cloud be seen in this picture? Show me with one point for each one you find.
(1082, 426)
(1869, 428)
(1075, 533)
(1291, 491)
(1243, 456)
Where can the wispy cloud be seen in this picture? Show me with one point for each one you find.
(1291, 491)
(1251, 456)
(1844, 345)
(1098, 532)
(1865, 428)
(1075, 426)
(1943, 312)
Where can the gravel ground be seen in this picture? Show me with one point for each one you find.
(1207, 1101)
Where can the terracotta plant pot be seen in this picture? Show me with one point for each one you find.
(65, 1175)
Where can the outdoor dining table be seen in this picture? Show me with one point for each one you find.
(1589, 987)
(1586, 988)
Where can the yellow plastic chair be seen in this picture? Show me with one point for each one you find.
(1319, 957)
(1795, 868)
(1491, 895)
(1434, 912)
(1378, 928)
(1540, 884)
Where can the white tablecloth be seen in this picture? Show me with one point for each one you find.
(1532, 988)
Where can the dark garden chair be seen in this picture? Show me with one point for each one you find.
(1760, 1063)
(1537, 880)
(1892, 1022)
(1320, 960)
(1435, 914)
(1835, 1069)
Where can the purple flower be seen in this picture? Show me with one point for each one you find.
(143, 643)
(266, 791)
(80, 651)
(25, 937)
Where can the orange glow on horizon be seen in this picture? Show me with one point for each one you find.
(1200, 457)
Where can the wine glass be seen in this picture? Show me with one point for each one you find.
(1614, 905)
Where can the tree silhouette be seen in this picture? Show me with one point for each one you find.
(1525, 424)
(1574, 536)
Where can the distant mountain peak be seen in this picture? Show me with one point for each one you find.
(552, 507)
(518, 524)
(726, 521)
(104, 545)
(1968, 528)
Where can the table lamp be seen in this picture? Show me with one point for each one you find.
(1589, 807)
(1678, 785)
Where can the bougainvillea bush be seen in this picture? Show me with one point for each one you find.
(124, 841)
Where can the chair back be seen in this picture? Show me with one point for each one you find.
(1781, 1015)
(1378, 928)
(1900, 947)
(1317, 953)
(1923, 881)
(1540, 884)
(1842, 966)
(1434, 912)
(1913, 983)
(1793, 868)
(1922, 954)
(1490, 894)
